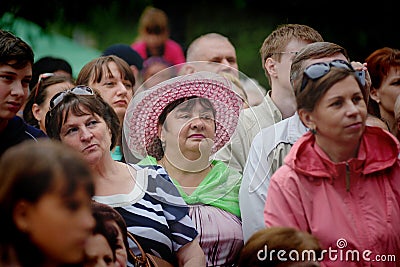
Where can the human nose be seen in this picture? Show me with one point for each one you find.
(352, 109)
(86, 134)
(18, 90)
(225, 62)
(121, 89)
(197, 123)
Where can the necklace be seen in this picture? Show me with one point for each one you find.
(188, 180)
(163, 162)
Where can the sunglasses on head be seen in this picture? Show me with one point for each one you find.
(319, 70)
(77, 90)
(42, 77)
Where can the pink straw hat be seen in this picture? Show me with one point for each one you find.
(141, 118)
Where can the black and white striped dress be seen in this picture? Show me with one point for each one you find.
(155, 213)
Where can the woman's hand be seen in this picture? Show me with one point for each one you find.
(363, 66)
(191, 255)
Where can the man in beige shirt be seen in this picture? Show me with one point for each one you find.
(279, 103)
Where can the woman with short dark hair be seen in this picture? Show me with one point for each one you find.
(150, 204)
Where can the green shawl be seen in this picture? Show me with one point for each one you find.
(220, 188)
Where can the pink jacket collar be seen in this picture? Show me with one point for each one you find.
(378, 151)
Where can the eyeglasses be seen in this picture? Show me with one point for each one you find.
(319, 70)
(42, 77)
(78, 90)
(290, 52)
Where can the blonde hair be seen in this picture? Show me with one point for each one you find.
(278, 39)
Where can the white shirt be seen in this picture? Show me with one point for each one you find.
(266, 155)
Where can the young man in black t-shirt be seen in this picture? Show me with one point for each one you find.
(16, 60)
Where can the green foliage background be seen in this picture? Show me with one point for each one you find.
(99, 23)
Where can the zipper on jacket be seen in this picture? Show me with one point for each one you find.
(347, 177)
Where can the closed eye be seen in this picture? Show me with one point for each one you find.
(207, 116)
(184, 116)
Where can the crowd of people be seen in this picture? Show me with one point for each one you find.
(196, 161)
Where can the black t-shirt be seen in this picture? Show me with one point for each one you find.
(17, 131)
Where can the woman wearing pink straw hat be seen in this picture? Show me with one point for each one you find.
(175, 127)
(151, 206)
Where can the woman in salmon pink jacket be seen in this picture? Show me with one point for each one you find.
(341, 180)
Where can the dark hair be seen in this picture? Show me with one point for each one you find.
(48, 65)
(38, 96)
(171, 106)
(276, 238)
(94, 70)
(314, 90)
(108, 213)
(72, 103)
(109, 231)
(14, 48)
(127, 53)
(379, 63)
(28, 171)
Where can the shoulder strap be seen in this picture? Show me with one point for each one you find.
(138, 261)
(145, 259)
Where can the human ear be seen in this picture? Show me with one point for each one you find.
(307, 118)
(375, 94)
(36, 111)
(21, 215)
(270, 66)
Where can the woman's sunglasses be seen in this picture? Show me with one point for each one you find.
(78, 90)
(42, 77)
(319, 70)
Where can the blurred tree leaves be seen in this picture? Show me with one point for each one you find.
(44, 12)
(360, 27)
